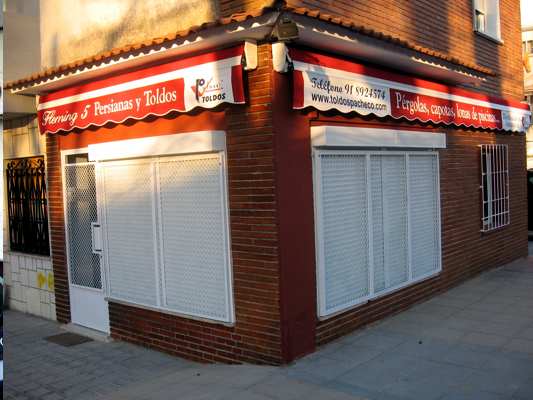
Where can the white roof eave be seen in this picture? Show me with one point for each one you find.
(336, 39)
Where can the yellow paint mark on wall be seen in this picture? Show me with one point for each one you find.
(41, 280)
(51, 281)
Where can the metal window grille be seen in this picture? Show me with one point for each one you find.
(494, 186)
(27, 206)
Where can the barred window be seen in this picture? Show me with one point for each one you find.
(27, 206)
(494, 186)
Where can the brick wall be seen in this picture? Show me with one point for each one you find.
(270, 191)
(445, 26)
(255, 337)
(56, 221)
(229, 7)
(465, 250)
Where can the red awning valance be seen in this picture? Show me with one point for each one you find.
(202, 81)
(327, 82)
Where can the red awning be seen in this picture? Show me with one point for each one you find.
(326, 82)
(202, 81)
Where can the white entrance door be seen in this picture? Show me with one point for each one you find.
(88, 306)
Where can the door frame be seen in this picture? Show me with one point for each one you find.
(103, 277)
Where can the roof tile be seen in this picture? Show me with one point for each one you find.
(240, 17)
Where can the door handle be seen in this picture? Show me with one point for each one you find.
(97, 240)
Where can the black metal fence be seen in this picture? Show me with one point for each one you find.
(27, 206)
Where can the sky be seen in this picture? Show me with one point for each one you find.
(527, 12)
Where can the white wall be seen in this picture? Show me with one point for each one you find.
(75, 29)
(22, 45)
(22, 40)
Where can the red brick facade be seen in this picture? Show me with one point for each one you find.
(57, 228)
(466, 251)
(271, 197)
(256, 336)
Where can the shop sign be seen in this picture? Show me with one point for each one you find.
(326, 83)
(204, 81)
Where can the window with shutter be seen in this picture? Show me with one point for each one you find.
(378, 223)
(166, 231)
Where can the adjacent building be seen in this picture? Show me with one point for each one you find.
(527, 51)
(27, 263)
(255, 179)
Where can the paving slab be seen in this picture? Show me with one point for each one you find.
(473, 342)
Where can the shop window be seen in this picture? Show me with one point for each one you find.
(487, 18)
(27, 206)
(495, 186)
(167, 234)
(378, 223)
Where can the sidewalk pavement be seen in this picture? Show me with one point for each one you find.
(472, 342)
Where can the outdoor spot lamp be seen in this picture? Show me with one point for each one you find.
(286, 30)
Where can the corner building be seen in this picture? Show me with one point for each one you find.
(251, 189)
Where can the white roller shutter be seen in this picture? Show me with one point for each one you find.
(424, 214)
(194, 238)
(394, 219)
(166, 233)
(389, 220)
(343, 193)
(378, 233)
(378, 223)
(130, 222)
